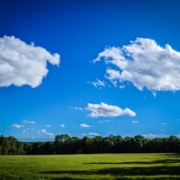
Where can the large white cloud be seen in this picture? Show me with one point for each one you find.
(106, 110)
(23, 64)
(145, 64)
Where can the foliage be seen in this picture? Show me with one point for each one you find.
(64, 144)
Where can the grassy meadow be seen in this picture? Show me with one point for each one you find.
(95, 166)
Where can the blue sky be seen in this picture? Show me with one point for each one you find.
(89, 68)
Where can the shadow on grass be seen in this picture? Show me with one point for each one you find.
(66, 178)
(133, 171)
(160, 167)
(164, 161)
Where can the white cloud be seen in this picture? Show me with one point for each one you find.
(122, 86)
(91, 134)
(106, 110)
(17, 126)
(78, 108)
(114, 83)
(23, 64)
(145, 64)
(45, 132)
(42, 131)
(135, 122)
(48, 126)
(108, 121)
(85, 125)
(97, 83)
(50, 134)
(29, 122)
(25, 131)
(152, 136)
(164, 123)
(62, 125)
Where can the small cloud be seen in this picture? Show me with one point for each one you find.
(90, 134)
(135, 122)
(45, 132)
(152, 136)
(106, 110)
(48, 126)
(154, 93)
(101, 122)
(114, 83)
(85, 125)
(93, 134)
(122, 86)
(107, 121)
(164, 123)
(62, 125)
(17, 126)
(97, 83)
(78, 108)
(25, 131)
(41, 131)
(50, 134)
(29, 122)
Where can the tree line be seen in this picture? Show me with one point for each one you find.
(64, 144)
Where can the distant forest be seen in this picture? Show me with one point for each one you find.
(64, 144)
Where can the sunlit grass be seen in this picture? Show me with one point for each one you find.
(98, 166)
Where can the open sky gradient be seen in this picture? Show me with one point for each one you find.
(88, 68)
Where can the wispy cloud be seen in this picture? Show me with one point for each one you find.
(29, 122)
(106, 110)
(23, 64)
(122, 86)
(62, 125)
(78, 108)
(48, 125)
(44, 131)
(152, 136)
(106, 121)
(17, 126)
(145, 64)
(135, 122)
(25, 131)
(85, 125)
(91, 134)
(98, 83)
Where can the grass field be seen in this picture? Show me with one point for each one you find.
(98, 166)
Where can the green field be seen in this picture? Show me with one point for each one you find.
(98, 166)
